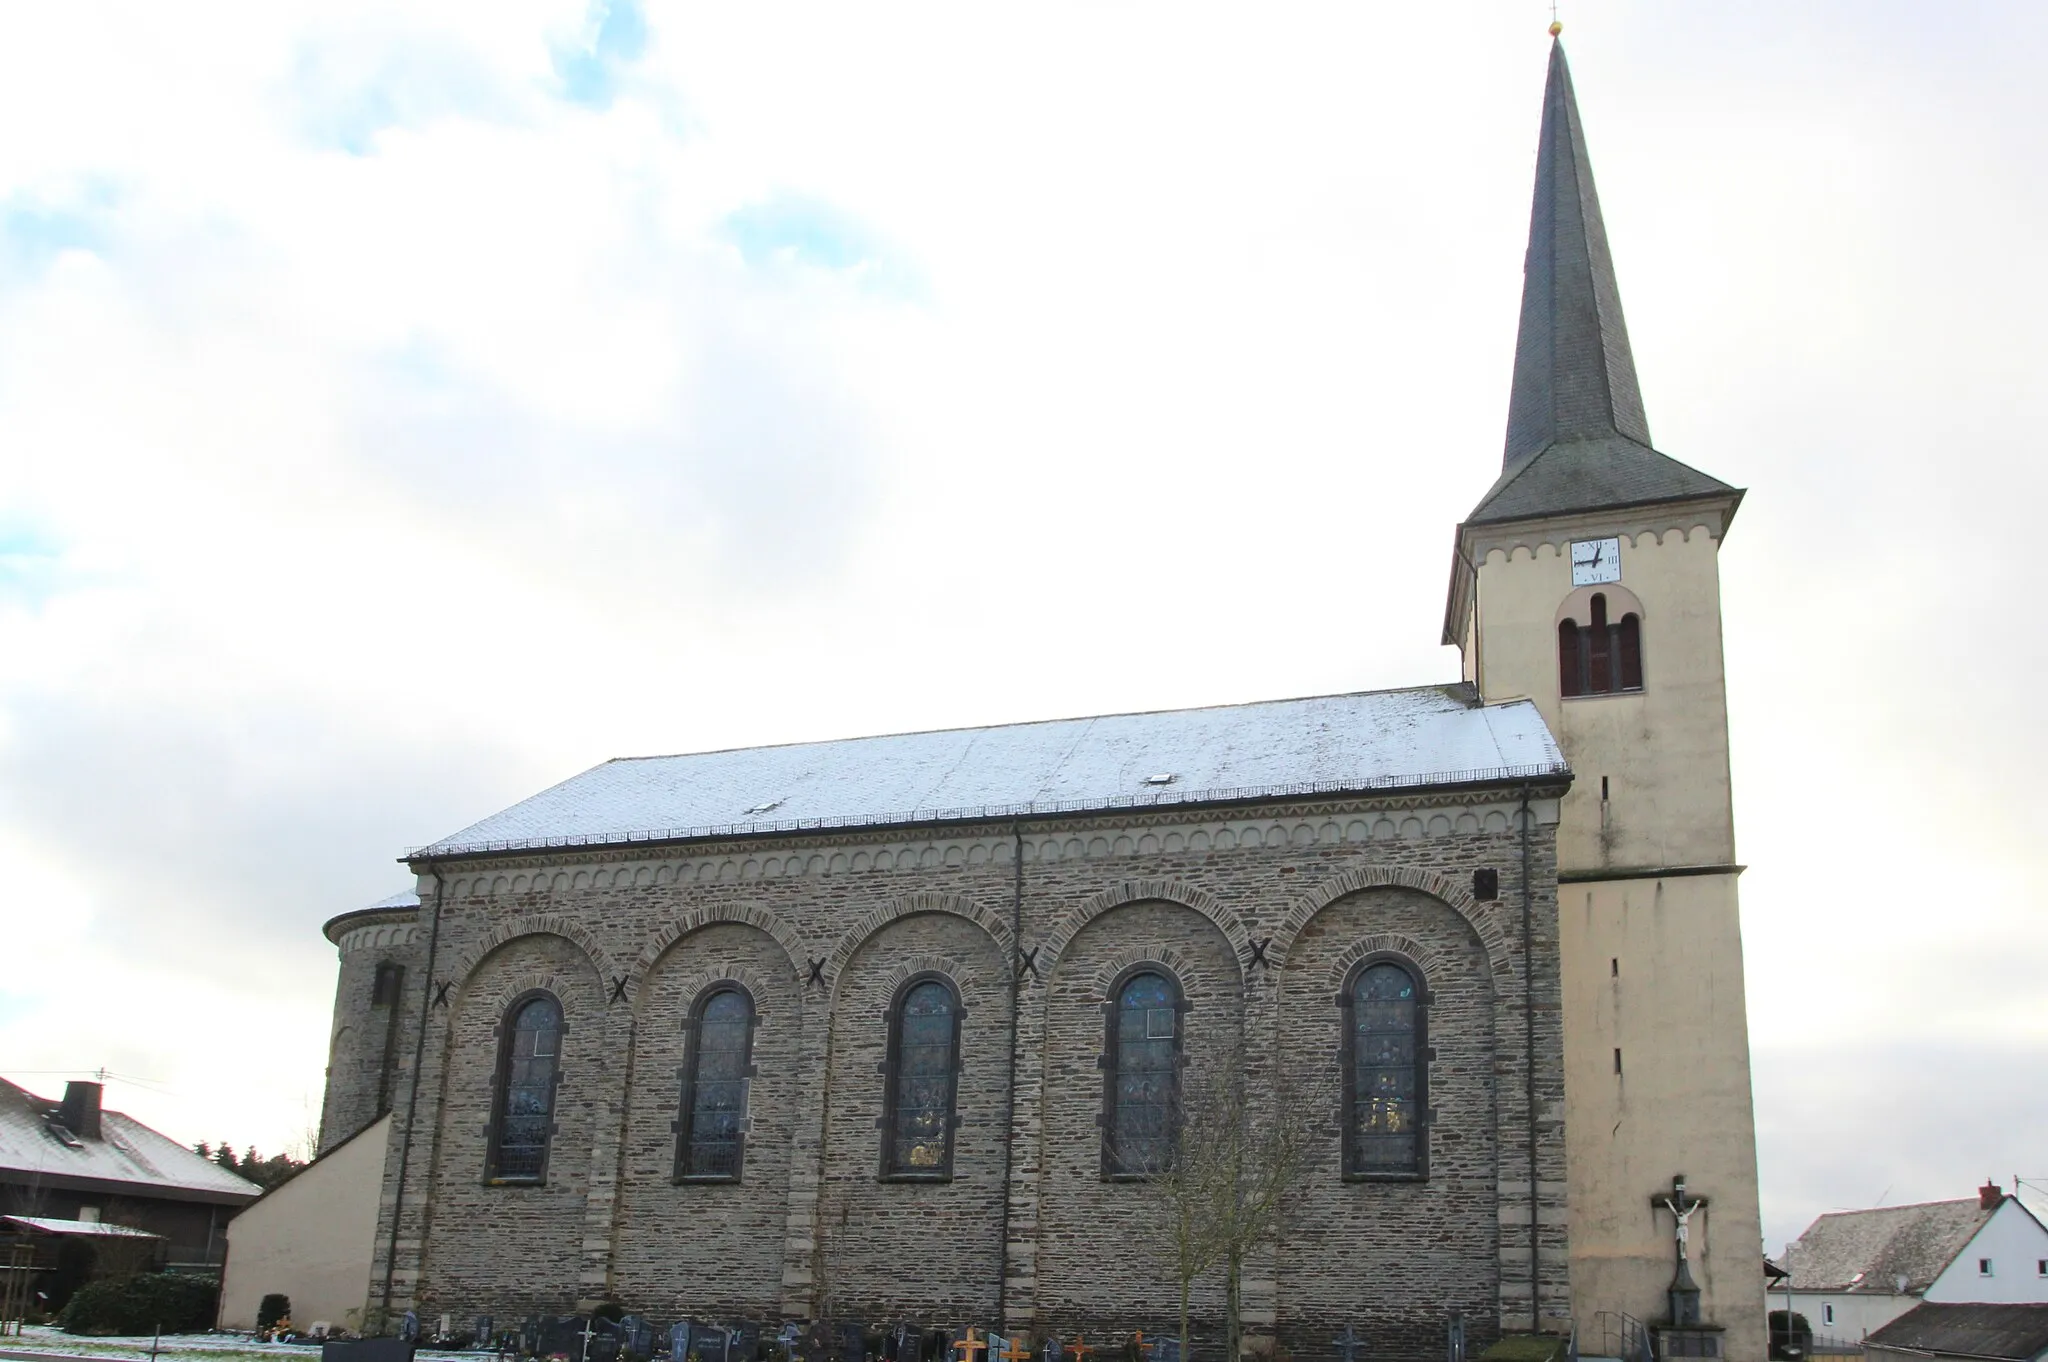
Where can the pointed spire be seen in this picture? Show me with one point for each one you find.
(1577, 436)
(1574, 375)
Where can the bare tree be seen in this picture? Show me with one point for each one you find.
(1217, 1198)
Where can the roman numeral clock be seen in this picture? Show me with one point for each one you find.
(1595, 561)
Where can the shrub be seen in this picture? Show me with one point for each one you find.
(141, 1305)
(275, 1306)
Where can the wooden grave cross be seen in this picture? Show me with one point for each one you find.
(970, 1347)
(1014, 1350)
(1080, 1349)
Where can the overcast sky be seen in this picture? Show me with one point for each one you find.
(404, 406)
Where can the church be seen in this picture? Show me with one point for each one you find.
(896, 1028)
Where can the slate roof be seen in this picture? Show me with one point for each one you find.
(90, 1229)
(128, 1158)
(1870, 1250)
(1578, 438)
(1991, 1331)
(1378, 740)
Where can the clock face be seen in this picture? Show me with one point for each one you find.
(1595, 561)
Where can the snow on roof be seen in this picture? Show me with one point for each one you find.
(1870, 1250)
(88, 1227)
(404, 898)
(128, 1153)
(1377, 740)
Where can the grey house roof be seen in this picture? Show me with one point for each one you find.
(1871, 1250)
(1578, 438)
(128, 1158)
(2018, 1332)
(1379, 740)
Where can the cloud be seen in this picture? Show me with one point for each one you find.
(791, 230)
(37, 227)
(591, 64)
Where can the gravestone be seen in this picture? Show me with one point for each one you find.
(746, 1342)
(679, 1341)
(367, 1350)
(409, 1328)
(480, 1335)
(561, 1336)
(1053, 1351)
(1454, 1337)
(636, 1338)
(709, 1342)
(529, 1336)
(1165, 1349)
(1348, 1344)
(818, 1342)
(853, 1343)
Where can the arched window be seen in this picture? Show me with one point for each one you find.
(922, 1073)
(1385, 1080)
(1601, 657)
(528, 1060)
(711, 1132)
(385, 984)
(1141, 1080)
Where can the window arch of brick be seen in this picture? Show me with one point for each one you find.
(1145, 1017)
(921, 1079)
(1385, 1056)
(523, 1105)
(1600, 642)
(718, 1071)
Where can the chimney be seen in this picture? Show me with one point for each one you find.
(1989, 1196)
(80, 1111)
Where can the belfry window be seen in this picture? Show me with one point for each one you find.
(923, 1072)
(1141, 1094)
(528, 1065)
(1385, 1084)
(711, 1132)
(1600, 657)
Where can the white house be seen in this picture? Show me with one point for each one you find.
(1853, 1272)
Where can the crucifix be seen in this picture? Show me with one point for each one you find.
(1348, 1343)
(1682, 1210)
(1079, 1349)
(970, 1347)
(1684, 1291)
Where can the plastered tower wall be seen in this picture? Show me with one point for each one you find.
(1657, 1078)
(370, 1023)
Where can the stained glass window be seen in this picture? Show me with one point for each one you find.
(1143, 1075)
(1385, 1071)
(526, 1101)
(713, 1139)
(923, 1072)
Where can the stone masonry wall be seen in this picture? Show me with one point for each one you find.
(823, 929)
(367, 1037)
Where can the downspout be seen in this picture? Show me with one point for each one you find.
(1529, 1069)
(412, 1101)
(1010, 1100)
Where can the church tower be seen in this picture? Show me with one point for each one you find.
(1587, 579)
